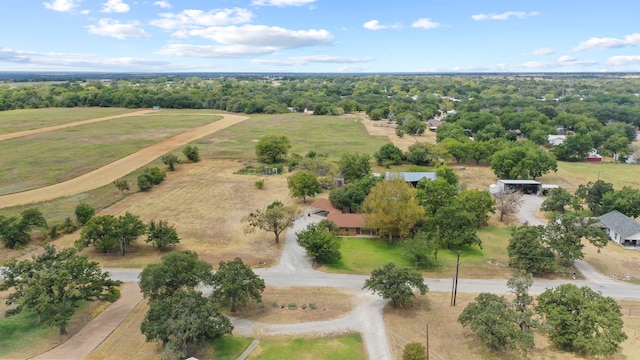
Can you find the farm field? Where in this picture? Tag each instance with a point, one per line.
(78, 150)
(29, 119)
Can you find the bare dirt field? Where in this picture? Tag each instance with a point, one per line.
(449, 340)
(379, 128)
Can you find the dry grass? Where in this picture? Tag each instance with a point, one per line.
(449, 340)
(205, 201)
(330, 304)
(614, 260)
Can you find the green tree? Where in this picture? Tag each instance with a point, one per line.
(275, 218)
(84, 213)
(519, 284)
(99, 231)
(527, 251)
(392, 208)
(192, 153)
(170, 160)
(448, 174)
(423, 154)
(51, 285)
(434, 194)
(581, 320)
(421, 248)
(144, 184)
(396, 284)
(627, 201)
(161, 234)
(121, 184)
(128, 228)
(556, 200)
(524, 159)
(592, 193)
(354, 166)
(388, 154)
(177, 271)
(350, 196)
(565, 234)
(272, 148)
(451, 225)
(414, 351)
(320, 242)
(495, 323)
(234, 284)
(184, 318)
(303, 184)
(479, 203)
(15, 231)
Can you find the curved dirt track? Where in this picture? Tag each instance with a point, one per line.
(18, 134)
(119, 168)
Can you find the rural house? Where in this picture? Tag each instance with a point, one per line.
(621, 228)
(349, 224)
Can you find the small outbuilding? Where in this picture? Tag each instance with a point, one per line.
(523, 186)
(411, 177)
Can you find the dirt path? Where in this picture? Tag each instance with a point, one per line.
(98, 329)
(108, 173)
(18, 134)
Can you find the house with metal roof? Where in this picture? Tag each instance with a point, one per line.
(621, 228)
(411, 177)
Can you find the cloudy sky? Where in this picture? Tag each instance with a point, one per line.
(320, 36)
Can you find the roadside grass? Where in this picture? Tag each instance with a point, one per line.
(362, 255)
(331, 135)
(75, 151)
(28, 119)
(22, 337)
(339, 347)
(229, 347)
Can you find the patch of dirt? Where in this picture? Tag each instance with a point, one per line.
(274, 309)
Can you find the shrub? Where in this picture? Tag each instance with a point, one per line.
(260, 184)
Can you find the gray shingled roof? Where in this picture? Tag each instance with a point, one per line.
(620, 223)
(411, 176)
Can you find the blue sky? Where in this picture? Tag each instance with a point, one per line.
(320, 36)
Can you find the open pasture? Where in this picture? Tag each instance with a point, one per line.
(52, 157)
(324, 134)
(28, 119)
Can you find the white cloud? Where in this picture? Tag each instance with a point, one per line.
(189, 19)
(566, 58)
(313, 59)
(163, 4)
(117, 29)
(281, 3)
(211, 51)
(425, 23)
(542, 52)
(62, 5)
(505, 15)
(609, 43)
(115, 6)
(623, 60)
(261, 36)
(375, 25)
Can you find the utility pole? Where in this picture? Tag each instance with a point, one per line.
(454, 290)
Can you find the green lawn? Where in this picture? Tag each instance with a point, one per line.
(362, 255)
(20, 331)
(28, 119)
(340, 347)
(78, 150)
(229, 347)
(327, 134)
